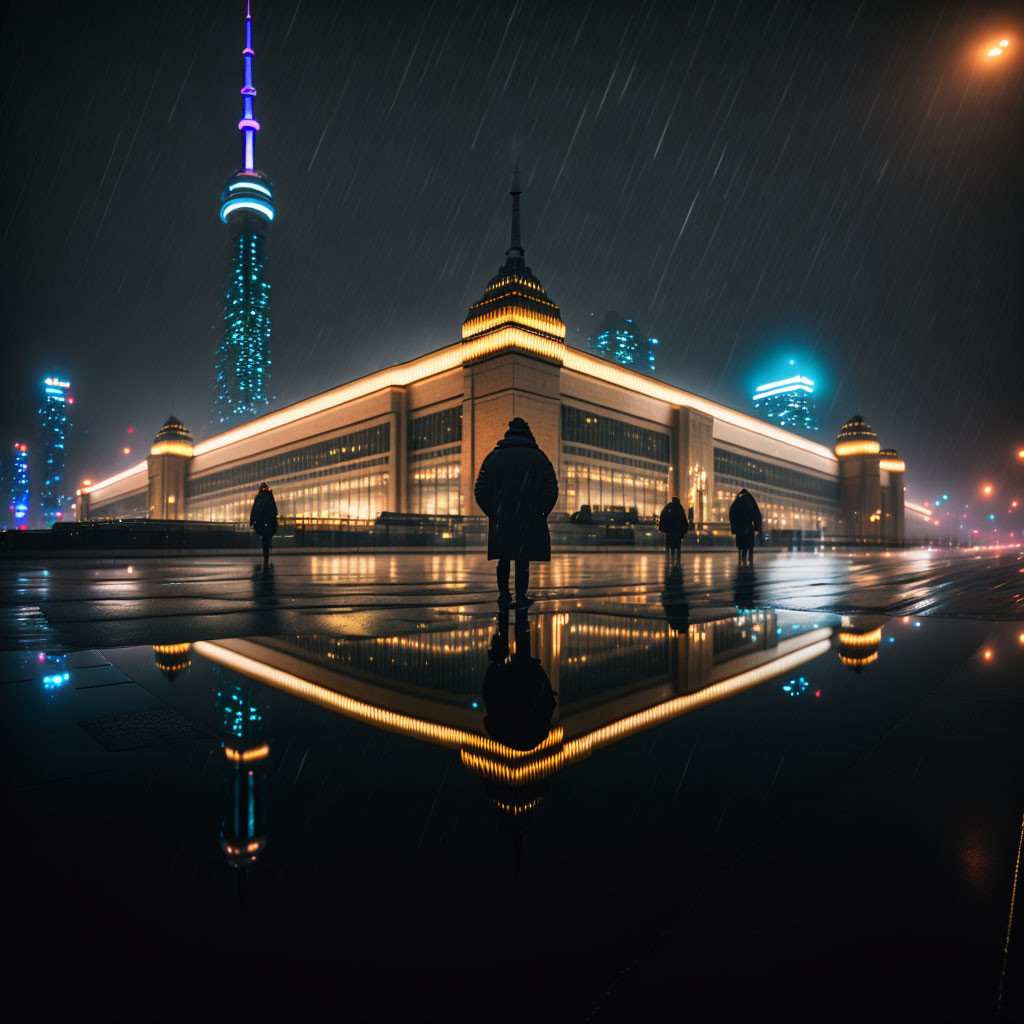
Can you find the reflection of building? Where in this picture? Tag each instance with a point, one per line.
(615, 676)
(411, 437)
(172, 659)
(18, 504)
(54, 417)
(860, 637)
(246, 745)
(619, 339)
(247, 207)
(871, 484)
(789, 403)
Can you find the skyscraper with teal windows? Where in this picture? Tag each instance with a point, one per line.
(788, 402)
(247, 207)
(18, 497)
(53, 434)
(619, 339)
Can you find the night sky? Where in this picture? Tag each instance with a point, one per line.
(840, 184)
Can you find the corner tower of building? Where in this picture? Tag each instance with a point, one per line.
(168, 463)
(860, 493)
(247, 207)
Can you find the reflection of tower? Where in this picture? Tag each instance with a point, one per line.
(56, 675)
(19, 496)
(243, 833)
(168, 461)
(247, 207)
(54, 433)
(860, 495)
(860, 637)
(172, 659)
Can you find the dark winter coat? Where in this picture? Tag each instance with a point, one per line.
(263, 517)
(517, 489)
(745, 517)
(673, 520)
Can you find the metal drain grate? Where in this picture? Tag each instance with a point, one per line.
(133, 730)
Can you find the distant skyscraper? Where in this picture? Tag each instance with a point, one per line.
(619, 339)
(19, 488)
(243, 359)
(789, 403)
(54, 416)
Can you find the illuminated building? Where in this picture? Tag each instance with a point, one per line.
(18, 505)
(410, 438)
(247, 207)
(54, 416)
(246, 746)
(871, 484)
(619, 339)
(789, 403)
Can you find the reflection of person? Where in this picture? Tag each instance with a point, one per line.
(672, 522)
(517, 693)
(263, 517)
(517, 489)
(745, 522)
(744, 592)
(673, 598)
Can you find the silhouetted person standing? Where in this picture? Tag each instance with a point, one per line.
(745, 522)
(672, 522)
(263, 517)
(516, 490)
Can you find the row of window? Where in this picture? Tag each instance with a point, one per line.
(321, 455)
(135, 506)
(752, 472)
(444, 427)
(435, 490)
(607, 487)
(613, 435)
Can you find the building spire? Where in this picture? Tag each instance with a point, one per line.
(515, 249)
(248, 126)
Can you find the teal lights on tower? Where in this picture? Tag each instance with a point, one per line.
(247, 207)
(619, 339)
(789, 403)
(54, 416)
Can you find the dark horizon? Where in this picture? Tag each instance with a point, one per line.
(837, 185)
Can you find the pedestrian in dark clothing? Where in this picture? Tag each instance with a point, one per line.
(517, 489)
(672, 522)
(263, 517)
(745, 522)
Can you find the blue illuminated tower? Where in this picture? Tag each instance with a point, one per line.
(247, 207)
(19, 490)
(788, 402)
(619, 339)
(54, 416)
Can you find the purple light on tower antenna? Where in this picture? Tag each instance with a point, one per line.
(249, 126)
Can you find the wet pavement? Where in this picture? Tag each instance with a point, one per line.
(73, 603)
(662, 794)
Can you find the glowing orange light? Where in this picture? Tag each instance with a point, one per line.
(987, 489)
(85, 483)
(1021, 638)
(1013, 504)
(987, 655)
(996, 51)
(1020, 454)
(126, 451)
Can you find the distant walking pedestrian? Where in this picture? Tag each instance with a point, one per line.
(263, 517)
(517, 489)
(745, 522)
(672, 522)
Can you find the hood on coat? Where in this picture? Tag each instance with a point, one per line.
(518, 435)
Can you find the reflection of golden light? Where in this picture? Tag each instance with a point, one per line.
(851, 662)
(861, 639)
(246, 755)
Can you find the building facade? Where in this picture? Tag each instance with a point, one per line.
(53, 414)
(789, 403)
(411, 438)
(247, 208)
(620, 340)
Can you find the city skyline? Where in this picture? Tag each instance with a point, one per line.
(869, 275)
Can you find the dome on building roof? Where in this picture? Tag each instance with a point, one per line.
(856, 437)
(514, 296)
(889, 453)
(173, 430)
